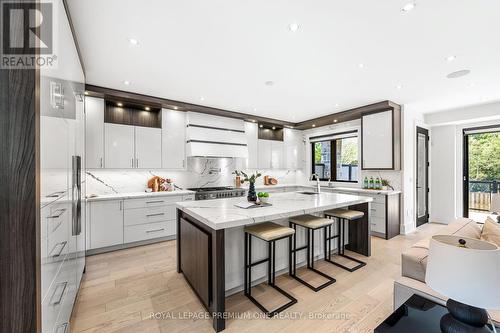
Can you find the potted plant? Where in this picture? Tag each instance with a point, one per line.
(237, 179)
(263, 197)
(386, 185)
(251, 196)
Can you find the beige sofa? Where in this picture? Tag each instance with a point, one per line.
(414, 263)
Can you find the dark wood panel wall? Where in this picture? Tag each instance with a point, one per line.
(127, 115)
(271, 134)
(19, 197)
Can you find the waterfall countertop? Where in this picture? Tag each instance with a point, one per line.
(222, 213)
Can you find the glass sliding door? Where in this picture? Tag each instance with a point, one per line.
(422, 181)
(481, 172)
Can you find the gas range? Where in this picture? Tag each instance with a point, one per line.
(206, 193)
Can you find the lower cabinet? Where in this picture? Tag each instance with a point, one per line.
(124, 221)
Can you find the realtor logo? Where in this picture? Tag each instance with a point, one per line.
(27, 34)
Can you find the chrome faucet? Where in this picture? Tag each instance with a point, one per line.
(318, 187)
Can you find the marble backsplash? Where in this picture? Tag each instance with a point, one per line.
(200, 172)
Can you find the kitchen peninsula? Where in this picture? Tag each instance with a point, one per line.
(210, 240)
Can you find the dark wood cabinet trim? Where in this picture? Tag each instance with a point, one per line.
(218, 143)
(270, 134)
(216, 128)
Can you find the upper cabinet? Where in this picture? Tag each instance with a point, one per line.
(119, 141)
(147, 147)
(94, 130)
(294, 149)
(173, 139)
(381, 140)
(251, 131)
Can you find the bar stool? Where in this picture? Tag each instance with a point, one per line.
(311, 223)
(342, 215)
(269, 232)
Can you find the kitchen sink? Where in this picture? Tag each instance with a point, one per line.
(309, 193)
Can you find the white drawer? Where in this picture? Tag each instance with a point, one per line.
(55, 220)
(377, 210)
(150, 202)
(149, 214)
(377, 224)
(379, 199)
(149, 231)
(55, 298)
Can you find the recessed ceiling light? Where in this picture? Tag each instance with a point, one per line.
(202, 98)
(293, 27)
(254, 109)
(458, 74)
(399, 86)
(313, 125)
(290, 126)
(126, 82)
(336, 105)
(269, 83)
(450, 58)
(86, 93)
(119, 104)
(147, 108)
(409, 6)
(133, 41)
(175, 107)
(472, 84)
(261, 126)
(361, 65)
(335, 120)
(253, 120)
(274, 127)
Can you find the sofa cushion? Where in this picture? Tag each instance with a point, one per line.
(414, 260)
(491, 232)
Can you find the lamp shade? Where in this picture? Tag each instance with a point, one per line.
(468, 274)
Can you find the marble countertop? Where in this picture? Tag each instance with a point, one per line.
(223, 214)
(138, 195)
(338, 188)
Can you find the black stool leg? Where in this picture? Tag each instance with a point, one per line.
(309, 247)
(271, 279)
(341, 249)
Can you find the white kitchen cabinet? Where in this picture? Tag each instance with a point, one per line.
(94, 132)
(106, 223)
(277, 155)
(252, 133)
(294, 149)
(264, 154)
(173, 139)
(147, 147)
(381, 140)
(119, 146)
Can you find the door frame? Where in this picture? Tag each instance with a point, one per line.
(424, 219)
(465, 162)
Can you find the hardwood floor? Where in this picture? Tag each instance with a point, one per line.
(139, 290)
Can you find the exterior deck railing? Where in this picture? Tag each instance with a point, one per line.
(480, 192)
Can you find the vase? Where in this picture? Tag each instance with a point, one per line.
(237, 182)
(251, 196)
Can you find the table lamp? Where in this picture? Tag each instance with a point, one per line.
(468, 272)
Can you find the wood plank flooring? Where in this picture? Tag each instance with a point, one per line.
(139, 290)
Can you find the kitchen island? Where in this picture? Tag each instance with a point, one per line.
(210, 240)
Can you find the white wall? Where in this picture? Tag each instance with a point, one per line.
(444, 174)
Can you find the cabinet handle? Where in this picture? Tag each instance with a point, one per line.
(64, 328)
(59, 298)
(137, 163)
(121, 205)
(56, 216)
(157, 214)
(55, 194)
(101, 161)
(188, 199)
(60, 250)
(154, 230)
(132, 162)
(157, 201)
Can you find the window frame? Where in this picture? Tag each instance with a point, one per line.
(333, 159)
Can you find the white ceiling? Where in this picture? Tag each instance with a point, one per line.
(225, 51)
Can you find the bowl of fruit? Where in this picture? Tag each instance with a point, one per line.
(263, 197)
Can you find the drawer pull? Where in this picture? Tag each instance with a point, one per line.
(157, 201)
(57, 215)
(157, 214)
(62, 328)
(55, 194)
(188, 199)
(63, 245)
(154, 230)
(61, 294)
